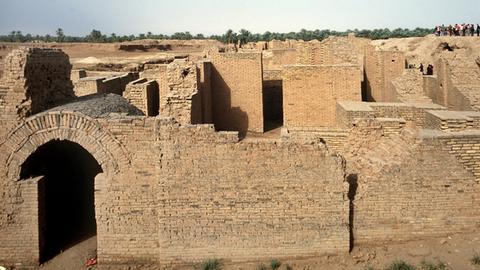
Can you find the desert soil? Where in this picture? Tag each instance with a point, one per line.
(455, 251)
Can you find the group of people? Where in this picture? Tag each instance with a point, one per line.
(463, 29)
(429, 69)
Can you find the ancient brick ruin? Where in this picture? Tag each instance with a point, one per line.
(281, 149)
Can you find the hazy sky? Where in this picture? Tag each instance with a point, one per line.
(79, 17)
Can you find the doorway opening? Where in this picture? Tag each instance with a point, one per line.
(66, 199)
(272, 104)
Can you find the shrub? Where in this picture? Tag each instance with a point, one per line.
(476, 259)
(288, 267)
(400, 265)
(433, 266)
(211, 264)
(262, 267)
(275, 264)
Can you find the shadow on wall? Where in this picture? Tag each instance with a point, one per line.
(367, 89)
(226, 117)
(352, 180)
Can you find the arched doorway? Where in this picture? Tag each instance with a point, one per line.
(66, 201)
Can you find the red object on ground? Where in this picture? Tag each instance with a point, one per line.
(91, 262)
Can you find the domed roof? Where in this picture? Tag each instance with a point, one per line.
(100, 105)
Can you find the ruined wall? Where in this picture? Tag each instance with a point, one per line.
(310, 93)
(77, 74)
(431, 88)
(456, 86)
(23, 221)
(238, 200)
(237, 91)
(181, 98)
(408, 87)
(89, 85)
(117, 84)
(205, 88)
(34, 80)
(331, 51)
(420, 191)
(413, 113)
(276, 59)
(143, 94)
(381, 68)
(103, 85)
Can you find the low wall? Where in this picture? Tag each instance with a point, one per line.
(246, 205)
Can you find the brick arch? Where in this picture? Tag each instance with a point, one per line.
(37, 130)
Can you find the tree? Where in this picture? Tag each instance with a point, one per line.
(95, 36)
(244, 36)
(60, 35)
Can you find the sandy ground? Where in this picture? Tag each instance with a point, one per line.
(455, 251)
(88, 55)
(427, 49)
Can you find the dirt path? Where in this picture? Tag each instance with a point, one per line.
(73, 258)
(455, 251)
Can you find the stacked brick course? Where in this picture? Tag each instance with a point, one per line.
(237, 91)
(310, 93)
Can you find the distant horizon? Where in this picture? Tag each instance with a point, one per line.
(214, 17)
(52, 33)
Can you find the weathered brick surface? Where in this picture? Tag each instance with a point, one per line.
(419, 191)
(310, 93)
(36, 79)
(103, 85)
(143, 94)
(237, 91)
(175, 192)
(381, 68)
(241, 202)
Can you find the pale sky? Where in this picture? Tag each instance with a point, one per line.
(79, 17)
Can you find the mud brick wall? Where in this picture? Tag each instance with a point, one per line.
(276, 59)
(334, 138)
(348, 112)
(205, 89)
(421, 191)
(465, 146)
(19, 224)
(310, 93)
(125, 203)
(410, 112)
(457, 85)
(440, 200)
(391, 125)
(181, 98)
(450, 120)
(237, 91)
(37, 79)
(117, 84)
(331, 51)
(381, 68)
(143, 94)
(237, 200)
(34, 80)
(89, 85)
(77, 74)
